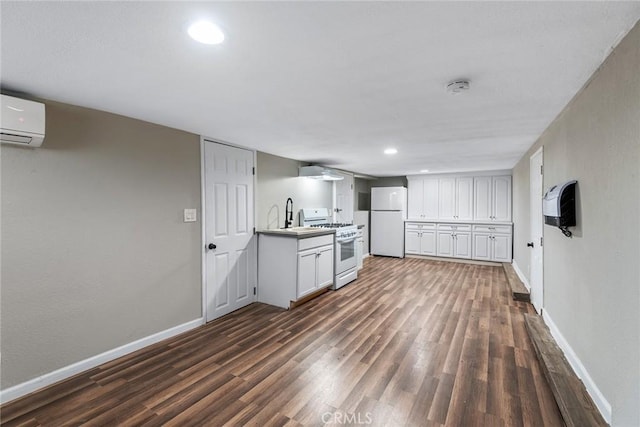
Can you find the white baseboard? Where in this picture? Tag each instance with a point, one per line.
(365, 255)
(598, 398)
(521, 275)
(45, 380)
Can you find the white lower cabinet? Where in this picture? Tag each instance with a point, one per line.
(462, 245)
(481, 246)
(315, 270)
(307, 283)
(290, 268)
(324, 267)
(420, 239)
(492, 243)
(454, 240)
(445, 243)
(502, 248)
(486, 242)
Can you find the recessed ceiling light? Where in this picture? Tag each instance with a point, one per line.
(206, 32)
(390, 151)
(424, 170)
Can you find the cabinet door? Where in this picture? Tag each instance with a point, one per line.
(462, 245)
(482, 187)
(482, 246)
(415, 199)
(445, 243)
(428, 243)
(501, 198)
(464, 198)
(412, 242)
(502, 247)
(324, 266)
(430, 191)
(306, 272)
(447, 198)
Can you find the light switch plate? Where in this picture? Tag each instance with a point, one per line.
(190, 215)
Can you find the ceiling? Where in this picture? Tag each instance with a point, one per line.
(333, 83)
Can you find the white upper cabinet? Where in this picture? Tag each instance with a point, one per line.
(482, 195)
(482, 198)
(492, 198)
(456, 198)
(430, 196)
(423, 199)
(502, 198)
(464, 199)
(414, 199)
(447, 200)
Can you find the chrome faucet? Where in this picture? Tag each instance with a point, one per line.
(288, 213)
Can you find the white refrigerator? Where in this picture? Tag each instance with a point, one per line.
(388, 213)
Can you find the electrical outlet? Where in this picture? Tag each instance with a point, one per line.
(190, 215)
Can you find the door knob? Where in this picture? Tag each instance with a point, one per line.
(211, 246)
(530, 244)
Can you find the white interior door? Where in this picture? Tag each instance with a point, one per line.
(535, 193)
(343, 199)
(230, 245)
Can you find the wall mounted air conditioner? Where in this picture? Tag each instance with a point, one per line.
(21, 122)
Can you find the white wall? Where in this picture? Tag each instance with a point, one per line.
(592, 280)
(94, 251)
(277, 179)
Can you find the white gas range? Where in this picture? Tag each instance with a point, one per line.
(345, 266)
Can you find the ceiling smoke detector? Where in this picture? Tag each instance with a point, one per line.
(458, 86)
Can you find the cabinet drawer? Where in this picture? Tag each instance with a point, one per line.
(454, 227)
(420, 226)
(314, 242)
(503, 229)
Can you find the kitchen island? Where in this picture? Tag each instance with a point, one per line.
(294, 264)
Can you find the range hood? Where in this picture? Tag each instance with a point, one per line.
(320, 172)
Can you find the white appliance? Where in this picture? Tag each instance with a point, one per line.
(388, 213)
(360, 248)
(21, 122)
(345, 265)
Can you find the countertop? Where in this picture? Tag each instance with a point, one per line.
(298, 232)
(447, 221)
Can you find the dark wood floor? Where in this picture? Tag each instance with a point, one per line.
(411, 342)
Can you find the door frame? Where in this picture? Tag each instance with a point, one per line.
(540, 152)
(203, 216)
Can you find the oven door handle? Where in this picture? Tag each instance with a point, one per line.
(347, 241)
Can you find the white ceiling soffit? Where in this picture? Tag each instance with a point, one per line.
(331, 83)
